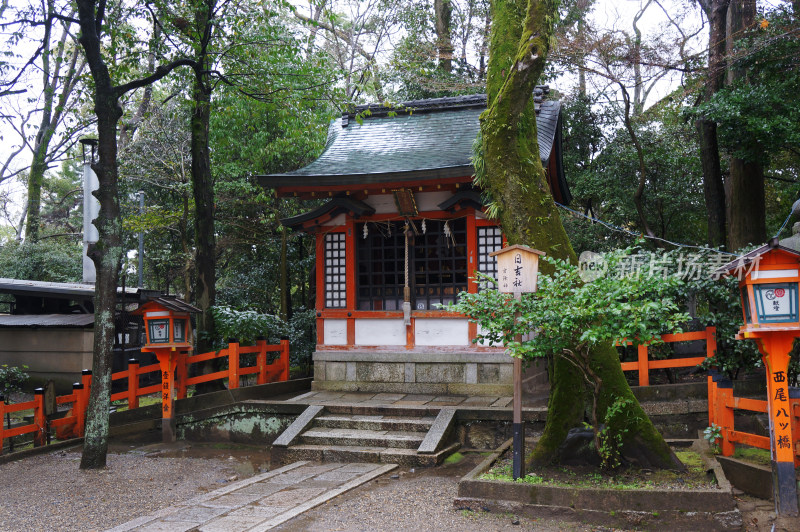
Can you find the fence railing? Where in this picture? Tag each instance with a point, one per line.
(72, 424)
(722, 404)
(644, 364)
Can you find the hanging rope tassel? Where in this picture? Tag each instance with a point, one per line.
(406, 289)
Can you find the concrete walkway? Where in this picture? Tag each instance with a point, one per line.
(398, 399)
(260, 502)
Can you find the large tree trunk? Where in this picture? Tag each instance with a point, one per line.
(205, 243)
(286, 295)
(747, 223)
(203, 189)
(107, 252)
(443, 13)
(746, 206)
(713, 186)
(516, 183)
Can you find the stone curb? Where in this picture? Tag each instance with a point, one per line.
(438, 433)
(714, 508)
(299, 425)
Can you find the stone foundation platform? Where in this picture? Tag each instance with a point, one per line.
(415, 372)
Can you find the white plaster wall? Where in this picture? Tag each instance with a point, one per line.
(334, 332)
(380, 332)
(443, 331)
(426, 201)
(429, 201)
(337, 221)
(382, 203)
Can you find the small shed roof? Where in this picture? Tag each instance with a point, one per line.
(49, 289)
(71, 321)
(171, 303)
(415, 140)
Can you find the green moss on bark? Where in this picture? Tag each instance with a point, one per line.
(515, 180)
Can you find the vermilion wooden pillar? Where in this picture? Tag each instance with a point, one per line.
(775, 347)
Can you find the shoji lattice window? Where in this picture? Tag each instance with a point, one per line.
(490, 239)
(437, 264)
(440, 264)
(335, 283)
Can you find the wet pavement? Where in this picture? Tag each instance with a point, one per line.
(261, 502)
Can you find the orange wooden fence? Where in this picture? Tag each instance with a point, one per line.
(644, 364)
(721, 406)
(72, 425)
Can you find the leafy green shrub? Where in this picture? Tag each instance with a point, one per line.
(12, 379)
(247, 325)
(712, 435)
(571, 317)
(49, 260)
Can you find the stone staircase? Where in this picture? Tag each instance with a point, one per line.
(380, 434)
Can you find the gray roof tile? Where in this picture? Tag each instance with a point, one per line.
(425, 139)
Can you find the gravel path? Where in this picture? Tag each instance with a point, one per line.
(420, 500)
(49, 492)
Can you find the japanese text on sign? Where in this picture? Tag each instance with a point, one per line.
(517, 268)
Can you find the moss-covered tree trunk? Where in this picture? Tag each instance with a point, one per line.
(515, 180)
(107, 253)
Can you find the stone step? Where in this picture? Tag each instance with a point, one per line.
(363, 438)
(374, 423)
(406, 411)
(374, 454)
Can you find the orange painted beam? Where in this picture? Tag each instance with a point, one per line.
(676, 362)
(762, 442)
(744, 403)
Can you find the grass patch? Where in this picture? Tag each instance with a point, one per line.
(621, 479)
(454, 458)
(145, 400)
(753, 454)
(691, 460)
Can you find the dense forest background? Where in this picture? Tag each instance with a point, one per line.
(682, 126)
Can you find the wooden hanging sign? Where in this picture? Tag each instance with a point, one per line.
(517, 269)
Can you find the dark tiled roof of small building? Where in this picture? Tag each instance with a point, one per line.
(78, 321)
(419, 139)
(174, 304)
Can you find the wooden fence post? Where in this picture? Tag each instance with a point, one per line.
(794, 409)
(712, 397)
(2, 420)
(39, 418)
(133, 383)
(78, 408)
(644, 366)
(725, 414)
(284, 376)
(711, 349)
(233, 363)
(86, 380)
(261, 360)
(182, 372)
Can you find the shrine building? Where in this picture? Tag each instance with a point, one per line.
(401, 232)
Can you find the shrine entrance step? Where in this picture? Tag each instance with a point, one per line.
(407, 436)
